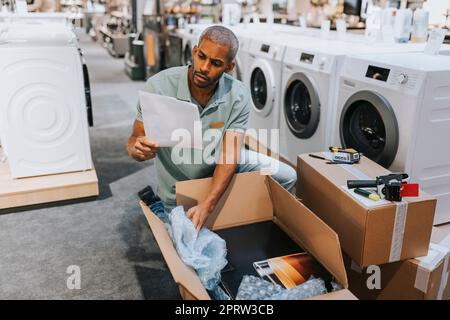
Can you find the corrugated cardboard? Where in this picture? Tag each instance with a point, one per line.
(252, 197)
(366, 234)
(407, 280)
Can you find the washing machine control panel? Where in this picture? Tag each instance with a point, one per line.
(309, 60)
(403, 79)
(400, 78)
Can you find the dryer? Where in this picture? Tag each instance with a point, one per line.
(395, 109)
(43, 117)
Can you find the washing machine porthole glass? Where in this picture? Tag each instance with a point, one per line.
(258, 86)
(366, 129)
(301, 107)
(298, 107)
(368, 125)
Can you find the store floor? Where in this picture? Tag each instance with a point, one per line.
(108, 238)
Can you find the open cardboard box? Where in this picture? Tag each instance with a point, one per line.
(370, 234)
(423, 278)
(251, 198)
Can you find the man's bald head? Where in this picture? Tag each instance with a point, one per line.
(222, 36)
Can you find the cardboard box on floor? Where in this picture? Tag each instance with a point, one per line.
(424, 278)
(370, 235)
(251, 198)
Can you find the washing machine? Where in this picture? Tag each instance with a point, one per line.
(191, 35)
(264, 80)
(311, 69)
(43, 116)
(245, 33)
(395, 109)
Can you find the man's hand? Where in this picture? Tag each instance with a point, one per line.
(144, 149)
(198, 214)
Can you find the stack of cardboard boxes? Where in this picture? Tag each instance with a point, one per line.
(387, 249)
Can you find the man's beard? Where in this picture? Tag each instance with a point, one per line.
(207, 81)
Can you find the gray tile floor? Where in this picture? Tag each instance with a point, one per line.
(107, 237)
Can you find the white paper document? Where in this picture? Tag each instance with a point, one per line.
(171, 122)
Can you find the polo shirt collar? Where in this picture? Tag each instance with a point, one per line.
(183, 92)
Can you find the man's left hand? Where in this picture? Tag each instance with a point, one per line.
(198, 214)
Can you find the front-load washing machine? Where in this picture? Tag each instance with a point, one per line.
(395, 109)
(245, 33)
(43, 118)
(191, 34)
(309, 71)
(308, 102)
(264, 80)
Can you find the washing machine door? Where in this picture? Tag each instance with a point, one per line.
(301, 106)
(262, 87)
(368, 124)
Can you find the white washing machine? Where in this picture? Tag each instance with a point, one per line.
(264, 80)
(43, 118)
(395, 109)
(191, 35)
(245, 33)
(308, 101)
(309, 72)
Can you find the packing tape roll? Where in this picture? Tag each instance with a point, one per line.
(401, 212)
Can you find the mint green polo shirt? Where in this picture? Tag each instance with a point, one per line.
(229, 105)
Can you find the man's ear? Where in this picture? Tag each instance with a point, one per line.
(230, 66)
(194, 49)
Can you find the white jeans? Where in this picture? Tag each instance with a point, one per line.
(281, 172)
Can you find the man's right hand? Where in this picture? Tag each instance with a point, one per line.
(144, 149)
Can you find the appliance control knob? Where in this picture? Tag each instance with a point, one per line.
(402, 78)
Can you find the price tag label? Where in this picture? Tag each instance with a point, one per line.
(435, 41)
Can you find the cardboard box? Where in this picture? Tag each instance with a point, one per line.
(251, 198)
(371, 233)
(424, 278)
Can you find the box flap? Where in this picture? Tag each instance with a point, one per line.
(182, 274)
(245, 188)
(308, 230)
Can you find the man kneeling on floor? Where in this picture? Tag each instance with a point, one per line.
(224, 104)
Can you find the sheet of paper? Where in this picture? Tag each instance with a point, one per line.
(170, 122)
